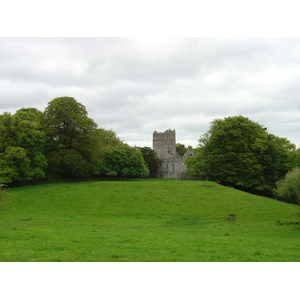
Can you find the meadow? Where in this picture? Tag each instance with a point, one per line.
(145, 221)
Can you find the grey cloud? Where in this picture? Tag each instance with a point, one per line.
(134, 86)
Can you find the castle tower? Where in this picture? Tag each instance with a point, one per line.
(171, 164)
(164, 144)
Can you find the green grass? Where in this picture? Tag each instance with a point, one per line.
(145, 220)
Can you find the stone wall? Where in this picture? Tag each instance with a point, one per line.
(172, 164)
(164, 144)
(172, 168)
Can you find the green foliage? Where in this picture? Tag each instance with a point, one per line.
(68, 163)
(151, 160)
(231, 152)
(71, 138)
(240, 152)
(181, 149)
(194, 165)
(14, 165)
(288, 189)
(63, 141)
(295, 157)
(30, 114)
(279, 158)
(123, 161)
(22, 143)
(108, 138)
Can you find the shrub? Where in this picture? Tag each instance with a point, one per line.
(123, 161)
(288, 189)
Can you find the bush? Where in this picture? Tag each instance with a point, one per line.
(123, 161)
(288, 189)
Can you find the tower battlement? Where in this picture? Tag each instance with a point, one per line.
(169, 134)
(164, 144)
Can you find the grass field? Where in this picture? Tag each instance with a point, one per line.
(145, 220)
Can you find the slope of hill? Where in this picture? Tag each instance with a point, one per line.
(146, 220)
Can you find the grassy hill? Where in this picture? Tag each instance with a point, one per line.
(145, 220)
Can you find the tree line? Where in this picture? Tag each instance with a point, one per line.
(63, 142)
(238, 152)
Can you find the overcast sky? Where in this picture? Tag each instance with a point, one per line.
(135, 86)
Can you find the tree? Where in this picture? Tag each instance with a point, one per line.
(108, 138)
(181, 149)
(239, 152)
(22, 143)
(194, 165)
(296, 157)
(104, 139)
(123, 161)
(71, 138)
(288, 188)
(32, 138)
(280, 157)
(15, 166)
(151, 160)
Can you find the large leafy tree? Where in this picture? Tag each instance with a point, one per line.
(22, 143)
(123, 161)
(71, 138)
(240, 152)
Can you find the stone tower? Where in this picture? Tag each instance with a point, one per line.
(164, 144)
(172, 165)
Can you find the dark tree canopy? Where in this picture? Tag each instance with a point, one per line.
(240, 152)
(151, 160)
(181, 149)
(66, 123)
(71, 135)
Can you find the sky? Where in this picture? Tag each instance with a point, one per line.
(136, 86)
